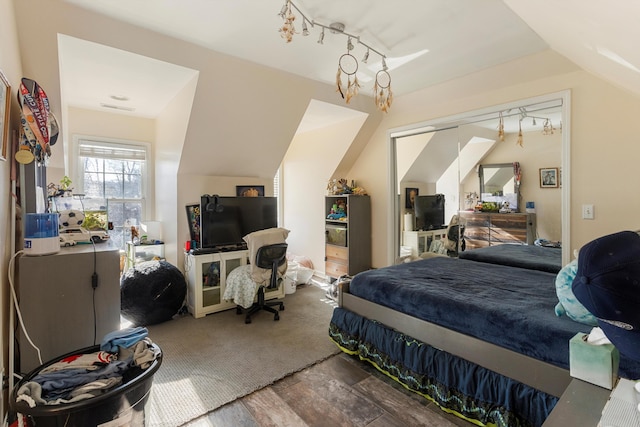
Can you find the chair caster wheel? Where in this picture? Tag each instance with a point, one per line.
(247, 320)
(276, 317)
(238, 310)
(281, 307)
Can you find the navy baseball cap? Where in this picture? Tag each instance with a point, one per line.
(607, 284)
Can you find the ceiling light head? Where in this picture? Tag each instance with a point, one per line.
(384, 64)
(321, 38)
(284, 9)
(305, 30)
(349, 45)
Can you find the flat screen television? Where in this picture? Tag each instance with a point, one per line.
(224, 221)
(429, 211)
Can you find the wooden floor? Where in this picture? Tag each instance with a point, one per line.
(340, 391)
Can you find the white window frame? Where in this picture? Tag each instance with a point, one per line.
(147, 167)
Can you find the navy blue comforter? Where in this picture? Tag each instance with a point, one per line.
(507, 306)
(523, 256)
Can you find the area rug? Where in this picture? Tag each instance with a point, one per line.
(216, 359)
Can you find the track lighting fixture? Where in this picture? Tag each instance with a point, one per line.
(522, 113)
(382, 85)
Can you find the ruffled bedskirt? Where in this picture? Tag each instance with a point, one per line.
(458, 386)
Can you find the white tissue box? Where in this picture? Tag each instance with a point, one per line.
(595, 364)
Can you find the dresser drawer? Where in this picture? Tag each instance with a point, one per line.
(337, 253)
(335, 269)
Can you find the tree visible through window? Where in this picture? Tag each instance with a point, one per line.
(115, 172)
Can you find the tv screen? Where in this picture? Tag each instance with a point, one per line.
(231, 218)
(429, 211)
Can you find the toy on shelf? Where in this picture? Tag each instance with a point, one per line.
(337, 187)
(74, 228)
(338, 211)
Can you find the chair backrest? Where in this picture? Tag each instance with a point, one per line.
(455, 233)
(271, 257)
(255, 241)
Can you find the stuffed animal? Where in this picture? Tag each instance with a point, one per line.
(568, 304)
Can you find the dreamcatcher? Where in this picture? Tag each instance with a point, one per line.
(348, 65)
(520, 140)
(500, 127)
(382, 89)
(287, 30)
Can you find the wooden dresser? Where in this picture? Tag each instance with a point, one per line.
(488, 228)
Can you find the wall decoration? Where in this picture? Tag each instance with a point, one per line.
(549, 178)
(410, 195)
(5, 107)
(250, 190)
(193, 217)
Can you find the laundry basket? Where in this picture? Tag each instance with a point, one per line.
(125, 405)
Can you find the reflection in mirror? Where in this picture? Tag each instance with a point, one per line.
(499, 187)
(444, 157)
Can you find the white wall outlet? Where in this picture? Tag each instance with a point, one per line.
(587, 211)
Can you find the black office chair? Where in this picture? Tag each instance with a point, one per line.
(268, 257)
(455, 241)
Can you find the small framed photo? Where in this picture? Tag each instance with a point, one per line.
(250, 190)
(549, 178)
(410, 195)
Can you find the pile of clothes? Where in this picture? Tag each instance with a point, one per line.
(86, 375)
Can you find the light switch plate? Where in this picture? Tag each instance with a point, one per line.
(587, 211)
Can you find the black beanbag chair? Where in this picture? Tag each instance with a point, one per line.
(151, 292)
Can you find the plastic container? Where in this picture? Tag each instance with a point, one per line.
(125, 405)
(41, 234)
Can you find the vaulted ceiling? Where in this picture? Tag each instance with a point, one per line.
(425, 42)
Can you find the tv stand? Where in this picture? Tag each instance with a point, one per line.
(207, 277)
(420, 241)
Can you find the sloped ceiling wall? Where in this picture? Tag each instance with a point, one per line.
(243, 117)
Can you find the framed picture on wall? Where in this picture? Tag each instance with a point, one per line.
(5, 106)
(410, 197)
(549, 178)
(250, 190)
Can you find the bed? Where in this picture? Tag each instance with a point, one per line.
(481, 340)
(524, 256)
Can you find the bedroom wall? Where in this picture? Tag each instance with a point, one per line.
(603, 152)
(11, 68)
(306, 169)
(171, 127)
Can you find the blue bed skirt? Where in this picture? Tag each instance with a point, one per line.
(456, 385)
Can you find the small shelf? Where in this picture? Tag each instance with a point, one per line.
(348, 239)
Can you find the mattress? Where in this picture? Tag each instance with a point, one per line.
(507, 306)
(523, 256)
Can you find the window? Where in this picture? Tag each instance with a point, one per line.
(115, 172)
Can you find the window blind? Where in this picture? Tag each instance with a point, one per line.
(96, 149)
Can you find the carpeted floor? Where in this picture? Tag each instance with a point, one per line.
(214, 360)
